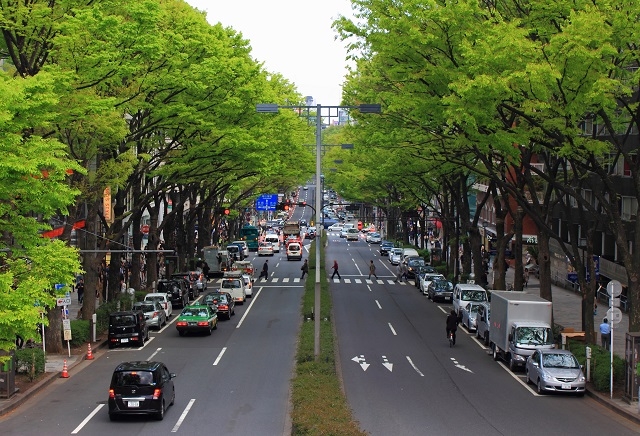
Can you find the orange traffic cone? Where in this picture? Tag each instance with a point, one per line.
(65, 370)
(89, 353)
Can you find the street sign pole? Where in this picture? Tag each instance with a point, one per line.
(614, 289)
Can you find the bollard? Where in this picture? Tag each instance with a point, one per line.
(588, 354)
(564, 342)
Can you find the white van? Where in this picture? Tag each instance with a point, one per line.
(464, 293)
(275, 241)
(233, 283)
(409, 252)
(294, 251)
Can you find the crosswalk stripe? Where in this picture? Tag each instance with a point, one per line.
(274, 279)
(285, 280)
(357, 280)
(347, 280)
(380, 282)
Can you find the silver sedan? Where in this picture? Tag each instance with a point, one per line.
(154, 313)
(554, 370)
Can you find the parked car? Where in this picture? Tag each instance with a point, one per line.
(222, 301)
(385, 246)
(139, 388)
(164, 301)
(424, 279)
(464, 293)
(553, 370)
(191, 278)
(414, 264)
(127, 327)
(483, 324)
(395, 256)
(469, 314)
(176, 289)
(197, 318)
(265, 249)
(440, 289)
(154, 313)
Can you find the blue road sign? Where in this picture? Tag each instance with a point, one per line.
(267, 202)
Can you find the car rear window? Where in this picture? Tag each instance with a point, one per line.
(230, 284)
(122, 319)
(133, 378)
(145, 307)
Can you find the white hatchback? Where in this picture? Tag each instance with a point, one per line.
(163, 299)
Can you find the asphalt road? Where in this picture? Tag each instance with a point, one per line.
(401, 377)
(234, 382)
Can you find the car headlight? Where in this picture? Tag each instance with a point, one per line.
(581, 378)
(546, 376)
(520, 358)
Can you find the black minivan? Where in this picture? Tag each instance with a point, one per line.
(141, 388)
(127, 327)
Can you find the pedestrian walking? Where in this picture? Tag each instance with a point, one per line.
(80, 289)
(405, 271)
(305, 268)
(372, 270)
(398, 273)
(525, 277)
(605, 334)
(265, 270)
(335, 270)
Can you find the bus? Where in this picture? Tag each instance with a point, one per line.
(250, 234)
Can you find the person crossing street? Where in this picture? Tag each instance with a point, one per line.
(372, 270)
(335, 270)
(265, 270)
(305, 268)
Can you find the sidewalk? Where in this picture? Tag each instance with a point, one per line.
(567, 312)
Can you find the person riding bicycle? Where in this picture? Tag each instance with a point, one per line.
(452, 324)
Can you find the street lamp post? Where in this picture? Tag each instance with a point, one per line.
(273, 108)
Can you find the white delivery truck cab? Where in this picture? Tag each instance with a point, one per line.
(520, 323)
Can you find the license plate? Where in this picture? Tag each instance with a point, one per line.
(566, 386)
(124, 340)
(447, 298)
(133, 403)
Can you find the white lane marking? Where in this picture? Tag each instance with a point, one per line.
(274, 280)
(84, 422)
(391, 282)
(154, 353)
(347, 280)
(357, 280)
(386, 364)
(414, 366)
(183, 416)
(285, 280)
(378, 303)
(443, 309)
(392, 330)
(253, 300)
(380, 282)
(219, 356)
(518, 379)
(369, 282)
(357, 267)
(169, 322)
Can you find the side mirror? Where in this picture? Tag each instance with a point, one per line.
(535, 364)
(173, 375)
(510, 337)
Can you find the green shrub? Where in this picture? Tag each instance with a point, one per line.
(80, 332)
(102, 315)
(600, 365)
(30, 361)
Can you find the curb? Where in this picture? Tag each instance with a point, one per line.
(606, 402)
(19, 399)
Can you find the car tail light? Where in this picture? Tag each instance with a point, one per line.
(165, 305)
(112, 394)
(156, 314)
(203, 323)
(181, 323)
(157, 393)
(223, 307)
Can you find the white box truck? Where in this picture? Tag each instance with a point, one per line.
(520, 323)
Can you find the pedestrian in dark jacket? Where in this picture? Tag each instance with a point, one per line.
(305, 268)
(265, 270)
(452, 324)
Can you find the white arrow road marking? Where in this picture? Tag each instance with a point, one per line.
(414, 366)
(360, 360)
(386, 364)
(455, 362)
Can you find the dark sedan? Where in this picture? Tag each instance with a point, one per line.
(385, 246)
(223, 302)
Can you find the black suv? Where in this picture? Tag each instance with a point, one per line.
(141, 388)
(127, 327)
(176, 289)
